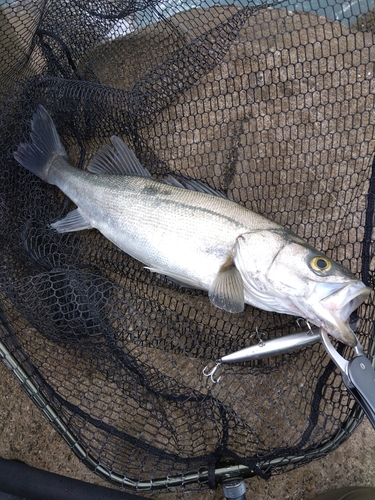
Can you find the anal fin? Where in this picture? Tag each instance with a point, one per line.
(74, 221)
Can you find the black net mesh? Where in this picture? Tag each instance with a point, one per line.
(275, 107)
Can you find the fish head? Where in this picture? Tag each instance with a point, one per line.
(282, 273)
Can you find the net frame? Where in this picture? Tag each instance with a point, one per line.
(211, 477)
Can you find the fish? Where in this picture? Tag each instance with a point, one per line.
(194, 235)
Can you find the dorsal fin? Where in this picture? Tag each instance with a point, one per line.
(119, 161)
(193, 184)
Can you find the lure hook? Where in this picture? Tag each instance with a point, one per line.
(212, 372)
(307, 323)
(259, 335)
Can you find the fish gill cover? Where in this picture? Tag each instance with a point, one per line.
(273, 107)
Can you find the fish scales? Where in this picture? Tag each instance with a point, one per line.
(165, 227)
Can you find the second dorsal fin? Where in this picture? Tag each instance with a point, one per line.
(119, 161)
(182, 181)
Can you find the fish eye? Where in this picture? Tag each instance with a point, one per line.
(320, 264)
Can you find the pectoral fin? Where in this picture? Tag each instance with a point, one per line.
(74, 221)
(227, 290)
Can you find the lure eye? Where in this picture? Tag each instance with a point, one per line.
(320, 264)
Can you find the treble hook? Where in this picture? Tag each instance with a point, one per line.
(212, 372)
(259, 337)
(307, 323)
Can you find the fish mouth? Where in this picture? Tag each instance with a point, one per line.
(337, 306)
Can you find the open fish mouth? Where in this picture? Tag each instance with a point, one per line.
(338, 306)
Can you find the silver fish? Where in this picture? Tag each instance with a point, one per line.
(194, 235)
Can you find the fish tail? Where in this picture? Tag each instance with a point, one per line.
(44, 146)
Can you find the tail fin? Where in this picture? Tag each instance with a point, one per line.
(38, 155)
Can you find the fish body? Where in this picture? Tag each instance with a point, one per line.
(181, 233)
(185, 230)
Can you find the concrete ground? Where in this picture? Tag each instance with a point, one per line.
(25, 435)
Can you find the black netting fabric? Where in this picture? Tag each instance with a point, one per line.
(268, 103)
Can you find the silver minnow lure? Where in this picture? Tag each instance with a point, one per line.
(194, 235)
